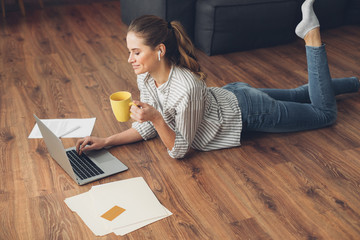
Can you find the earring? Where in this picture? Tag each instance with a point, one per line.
(159, 52)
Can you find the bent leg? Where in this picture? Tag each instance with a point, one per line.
(260, 112)
(264, 113)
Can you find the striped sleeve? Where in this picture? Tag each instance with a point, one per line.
(145, 129)
(187, 120)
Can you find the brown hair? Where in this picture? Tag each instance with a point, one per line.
(179, 48)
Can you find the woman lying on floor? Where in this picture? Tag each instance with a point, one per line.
(176, 104)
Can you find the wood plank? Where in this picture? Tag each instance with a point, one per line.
(65, 61)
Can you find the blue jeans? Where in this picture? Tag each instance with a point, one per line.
(310, 106)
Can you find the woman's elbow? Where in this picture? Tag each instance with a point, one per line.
(177, 154)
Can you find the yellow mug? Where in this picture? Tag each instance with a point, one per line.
(120, 104)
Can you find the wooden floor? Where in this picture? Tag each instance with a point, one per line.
(64, 62)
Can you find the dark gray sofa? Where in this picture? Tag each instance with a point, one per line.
(180, 10)
(223, 26)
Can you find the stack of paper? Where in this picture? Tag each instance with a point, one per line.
(120, 207)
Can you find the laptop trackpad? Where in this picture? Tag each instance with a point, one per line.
(100, 156)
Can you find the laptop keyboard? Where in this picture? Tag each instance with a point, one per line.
(83, 167)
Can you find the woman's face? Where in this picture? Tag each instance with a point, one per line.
(142, 58)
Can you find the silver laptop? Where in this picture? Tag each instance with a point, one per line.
(83, 169)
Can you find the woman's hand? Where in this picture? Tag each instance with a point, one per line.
(144, 112)
(89, 143)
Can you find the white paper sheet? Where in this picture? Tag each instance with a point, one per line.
(83, 206)
(83, 127)
(134, 195)
(125, 230)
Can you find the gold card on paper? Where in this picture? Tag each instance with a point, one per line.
(113, 213)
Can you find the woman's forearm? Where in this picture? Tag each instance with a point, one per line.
(166, 134)
(142, 112)
(125, 137)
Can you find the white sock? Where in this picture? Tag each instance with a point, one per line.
(309, 20)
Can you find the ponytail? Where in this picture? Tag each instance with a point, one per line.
(180, 51)
(186, 49)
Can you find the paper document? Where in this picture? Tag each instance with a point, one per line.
(135, 205)
(66, 128)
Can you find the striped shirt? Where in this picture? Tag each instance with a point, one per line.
(203, 118)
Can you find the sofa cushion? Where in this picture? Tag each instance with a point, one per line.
(223, 26)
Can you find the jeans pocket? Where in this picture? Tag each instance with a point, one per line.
(262, 110)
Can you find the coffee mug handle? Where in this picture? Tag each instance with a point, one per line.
(131, 104)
